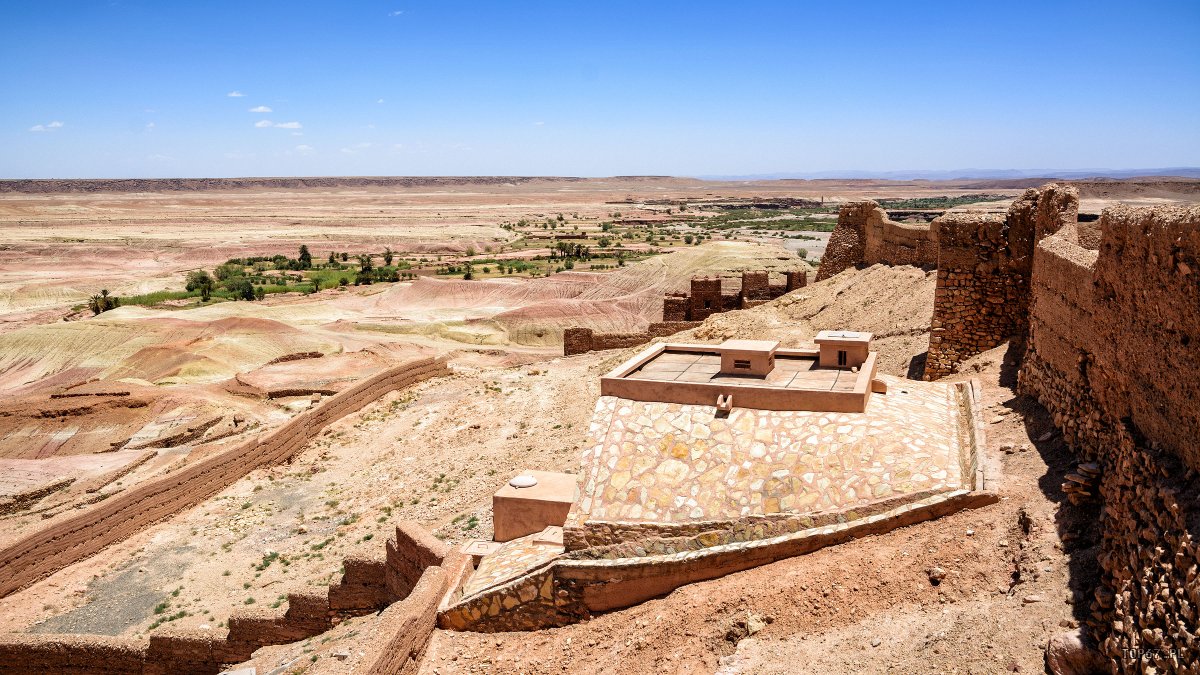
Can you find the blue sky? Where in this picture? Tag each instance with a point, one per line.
(129, 88)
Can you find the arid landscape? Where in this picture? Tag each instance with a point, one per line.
(442, 354)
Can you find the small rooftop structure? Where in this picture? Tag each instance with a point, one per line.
(843, 348)
(755, 358)
(531, 502)
(751, 374)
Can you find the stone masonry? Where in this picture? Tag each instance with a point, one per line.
(984, 265)
(1114, 315)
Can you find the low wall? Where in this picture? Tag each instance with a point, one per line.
(583, 340)
(1112, 355)
(409, 621)
(567, 590)
(865, 235)
(73, 537)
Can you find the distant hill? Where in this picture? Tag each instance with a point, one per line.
(51, 185)
(968, 174)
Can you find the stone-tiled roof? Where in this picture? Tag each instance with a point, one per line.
(673, 463)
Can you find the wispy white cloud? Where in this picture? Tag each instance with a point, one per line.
(263, 124)
(355, 148)
(539, 124)
(160, 158)
(289, 125)
(47, 127)
(149, 126)
(297, 133)
(304, 149)
(398, 12)
(379, 101)
(261, 109)
(235, 94)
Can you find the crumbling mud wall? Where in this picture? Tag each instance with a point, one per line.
(1112, 354)
(682, 311)
(583, 340)
(73, 537)
(865, 235)
(984, 265)
(409, 621)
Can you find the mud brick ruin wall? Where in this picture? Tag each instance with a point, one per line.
(408, 621)
(865, 235)
(682, 311)
(73, 537)
(1113, 355)
(984, 264)
(583, 340)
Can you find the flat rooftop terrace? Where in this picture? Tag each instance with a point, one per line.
(799, 371)
(836, 377)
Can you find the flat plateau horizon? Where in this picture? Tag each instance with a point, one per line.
(848, 174)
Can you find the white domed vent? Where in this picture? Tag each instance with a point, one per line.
(523, 481)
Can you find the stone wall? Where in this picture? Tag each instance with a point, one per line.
(569, 589)
(68, 539)
(410, 619)
(865, 235)
(984, 264)
(1111, 355)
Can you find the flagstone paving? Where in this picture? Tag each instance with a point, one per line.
(511, 560)
(672, 463)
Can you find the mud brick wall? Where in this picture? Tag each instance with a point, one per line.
(795, 279)
(705, 298)
(76, 654)
(363, 584)
(865, 235)
(73, 537)
(1148, 310)
(683, 311)
(1062, 344)
(1112, 355)
(675, 307)
(756, 285)
(985, 262)
(577, 341)
(847, 245)
(416, 574)
(583, 340)
(409, 553)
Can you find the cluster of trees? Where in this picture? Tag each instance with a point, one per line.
(569, 251)
(280, 262)
(103, 302)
